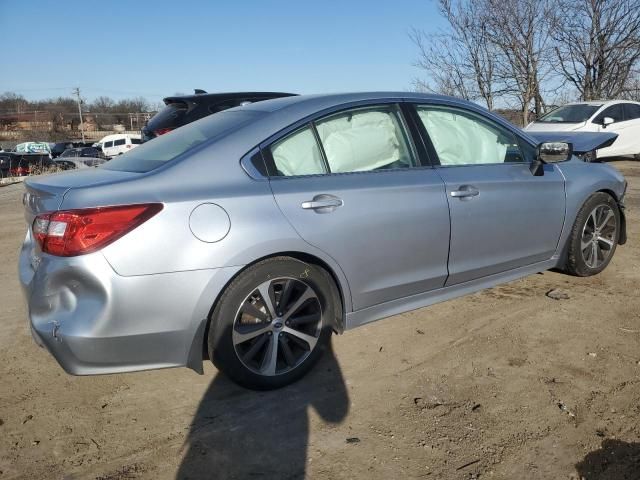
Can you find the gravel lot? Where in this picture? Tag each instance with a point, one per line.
(504, 384)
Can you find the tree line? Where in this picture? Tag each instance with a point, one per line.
(13, 103)
(531, 54)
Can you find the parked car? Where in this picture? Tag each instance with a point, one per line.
(71, 163)
(83, 152)
(58, 148)
(619, 117)
(255, 233)
(119, 143)
(184, 109)
(17, 164)
(33, 147)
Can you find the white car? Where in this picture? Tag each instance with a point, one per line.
(119, 143)
(615, 116)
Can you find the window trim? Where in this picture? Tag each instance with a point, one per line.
(394, 106)
(433, 154)
(607, 107)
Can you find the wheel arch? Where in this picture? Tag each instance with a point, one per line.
(198, 350)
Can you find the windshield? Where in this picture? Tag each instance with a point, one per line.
(575, 113)
(162, 149)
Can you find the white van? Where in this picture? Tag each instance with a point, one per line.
(119, 143)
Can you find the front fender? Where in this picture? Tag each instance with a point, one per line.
(581, 181)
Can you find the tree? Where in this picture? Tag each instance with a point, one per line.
(597, 45)
(520, 29)
(461, 60)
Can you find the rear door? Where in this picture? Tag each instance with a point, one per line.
(502, 217)
(351, 185)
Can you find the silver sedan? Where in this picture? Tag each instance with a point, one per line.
(250, 236)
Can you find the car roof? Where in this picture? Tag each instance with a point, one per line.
(316, 101)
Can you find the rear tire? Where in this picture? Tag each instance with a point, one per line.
(273, 322)
(594, 236)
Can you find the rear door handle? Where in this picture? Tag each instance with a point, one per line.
(323, 203)
(465, 191)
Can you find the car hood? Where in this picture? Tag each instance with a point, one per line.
(554, 127)
(583, 142)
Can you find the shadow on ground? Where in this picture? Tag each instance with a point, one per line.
(615, 460)
(239, 434)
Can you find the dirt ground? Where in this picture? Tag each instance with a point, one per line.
(504, 384)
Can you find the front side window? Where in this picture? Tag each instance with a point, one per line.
(108, 144)
(122, 141)
(365, 140)
(615, 112)
(632, 111)
(464, 138)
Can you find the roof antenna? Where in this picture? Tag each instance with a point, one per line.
(197, 91)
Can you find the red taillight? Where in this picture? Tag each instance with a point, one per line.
(162, 131)
(77, 232)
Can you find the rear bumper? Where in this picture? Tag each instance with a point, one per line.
(94, 321)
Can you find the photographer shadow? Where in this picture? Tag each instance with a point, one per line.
(614, 460)
(238, 433)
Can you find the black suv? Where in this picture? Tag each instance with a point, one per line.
(185, 109)
(82, 152)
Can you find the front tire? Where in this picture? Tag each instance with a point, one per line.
(594, 236)
(273, 322)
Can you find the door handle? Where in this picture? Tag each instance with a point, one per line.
(465, 191)
(323, 203)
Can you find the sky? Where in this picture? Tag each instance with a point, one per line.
(156, 48)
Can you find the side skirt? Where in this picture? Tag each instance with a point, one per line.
(413, 302)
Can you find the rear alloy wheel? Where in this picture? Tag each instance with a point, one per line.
(273, 322)
(594, 236)
(277, 326)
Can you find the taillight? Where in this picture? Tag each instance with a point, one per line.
(162, 131)
(77, 232)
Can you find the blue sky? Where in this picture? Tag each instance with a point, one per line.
(156, 48)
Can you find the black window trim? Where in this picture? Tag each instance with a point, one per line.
(490, 119)
(309, 122)
(607, 107)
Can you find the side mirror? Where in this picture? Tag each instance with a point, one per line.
(607, 121)
(550, 152)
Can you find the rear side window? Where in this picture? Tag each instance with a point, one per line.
(364, 140)
(136, 141)
(122, 141)
(353, 141)
(170, 146)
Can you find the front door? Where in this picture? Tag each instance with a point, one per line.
(350, 184)
(502, 216)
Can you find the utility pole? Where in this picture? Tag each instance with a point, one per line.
(76, 92)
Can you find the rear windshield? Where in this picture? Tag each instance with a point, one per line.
(165, 148)
(570, 114)
(169, 117)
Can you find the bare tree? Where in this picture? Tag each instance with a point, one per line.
(461, 60)
(598, 45)
(520, 29)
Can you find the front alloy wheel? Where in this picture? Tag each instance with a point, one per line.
(598, 236)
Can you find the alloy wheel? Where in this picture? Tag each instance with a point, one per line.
(598, 236)
(277, 326)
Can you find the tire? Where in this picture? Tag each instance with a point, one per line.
(591, 249)
(243, 333)
(636, 156)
